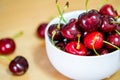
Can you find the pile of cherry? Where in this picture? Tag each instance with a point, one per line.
(94, 32)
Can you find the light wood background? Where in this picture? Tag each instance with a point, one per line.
(25, 16)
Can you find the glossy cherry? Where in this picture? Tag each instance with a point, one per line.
(89, 40)
(19, 65)
(41, 30)
(60, 45)
(55, 31)
(7, 46)
(103, 51)
(107, 25)
(113, 39)
(108, 9)
(71, 29)
(71, 48)
(90, 21)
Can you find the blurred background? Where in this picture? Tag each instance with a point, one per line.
(32, 12)
(26, 16)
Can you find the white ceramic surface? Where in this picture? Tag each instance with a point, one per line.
(81, 67)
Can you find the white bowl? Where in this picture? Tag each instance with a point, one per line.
(81, 67)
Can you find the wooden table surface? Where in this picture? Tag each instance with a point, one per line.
(25, 16)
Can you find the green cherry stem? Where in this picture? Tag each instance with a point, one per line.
(58, 26)
(5, 57)
(17, 35)
(86, 5)
(78, 43)
(94, 40)
(111, 45)
(117, 32)
(61, 13)
(115, 22)
(54, 32)
(60, 18)
(65, 7)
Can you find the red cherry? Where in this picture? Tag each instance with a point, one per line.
(71, 29)
(113, 39)
(103, 51)
(89, 40)
(7, 46)
(55, 31)
(71, 48)
(107, 26)
(89, 21)
(41, 30)
(108, 9)
(19, 65)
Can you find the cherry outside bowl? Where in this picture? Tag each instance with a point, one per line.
(81, 67)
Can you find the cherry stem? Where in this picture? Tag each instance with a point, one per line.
(5, 57)
(61, 13)
(117, 32)
(53, 35)
(111, 45)
(115, 22)
(17, 35)
(94, 40)
(58, 26)
(78, 44)
(61, 18)
(86, 5)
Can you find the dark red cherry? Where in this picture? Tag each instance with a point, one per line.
(90, 52)
(60, 45)
(90, 21)
(7, 46)
(55, 31)
(103, 51)
(108, 9)
(113, 39)
(71, 29)
(19, 65)
(41, 30)
(107, 25)
(89, 40)
(71, 48)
